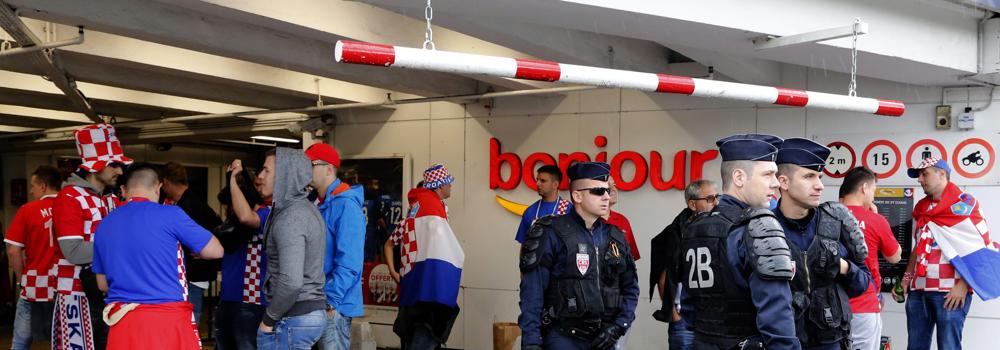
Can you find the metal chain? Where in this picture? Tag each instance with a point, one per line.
(319, 95)
(852, 89)
(429, 34)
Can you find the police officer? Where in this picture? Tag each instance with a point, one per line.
(828, 248)
(578, 286)
(735, 262)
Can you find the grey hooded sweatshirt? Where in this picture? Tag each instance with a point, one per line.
(296, 238)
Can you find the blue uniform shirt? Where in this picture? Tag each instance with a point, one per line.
(535, 282)
(772, 298)
(136, 248)
(802, 232)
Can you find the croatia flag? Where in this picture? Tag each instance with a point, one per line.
(957, 226)
(431, 255)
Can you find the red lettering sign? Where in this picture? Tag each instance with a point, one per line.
(524, 172)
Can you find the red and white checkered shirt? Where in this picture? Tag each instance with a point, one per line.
(253, 268)
(252, 293)
(405, 236)
(77, 212)
(941, 275)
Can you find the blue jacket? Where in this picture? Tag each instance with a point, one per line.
(772, 298)
(345, 245)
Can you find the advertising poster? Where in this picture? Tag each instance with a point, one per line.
(382, 179)
(896, 205)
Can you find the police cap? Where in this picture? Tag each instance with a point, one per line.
(589, 170)
(758, 147)
(804, 153)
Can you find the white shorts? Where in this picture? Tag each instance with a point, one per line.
(866, 331)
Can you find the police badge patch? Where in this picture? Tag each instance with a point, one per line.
(583, 262)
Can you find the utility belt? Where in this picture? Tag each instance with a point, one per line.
(584, 329)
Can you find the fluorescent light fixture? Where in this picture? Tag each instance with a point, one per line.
(274, 139)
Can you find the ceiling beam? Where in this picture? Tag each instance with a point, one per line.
(21, 81)
(58, 102)
(185, 67)
(549, 43)
(355, 22)
(43, 62)
(244, 39)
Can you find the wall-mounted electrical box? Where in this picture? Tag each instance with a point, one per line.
(942, 117)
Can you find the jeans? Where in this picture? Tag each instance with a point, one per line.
(22, 326)
(679, 336)
(421, 339)
(924, 311)
(196, 296)
(236, 325)
(337, 333)
(296, 332)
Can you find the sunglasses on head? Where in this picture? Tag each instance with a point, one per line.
(597, 191)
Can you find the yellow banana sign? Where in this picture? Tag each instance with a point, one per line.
(513, 207)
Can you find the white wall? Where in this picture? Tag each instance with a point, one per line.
(457, 136)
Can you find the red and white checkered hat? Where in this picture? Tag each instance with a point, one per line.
(437, 176)
(98, 146)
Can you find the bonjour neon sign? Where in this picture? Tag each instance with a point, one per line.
(651, 170)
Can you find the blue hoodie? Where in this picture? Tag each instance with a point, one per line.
(345, 247)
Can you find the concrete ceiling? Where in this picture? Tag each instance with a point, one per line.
(148, 60)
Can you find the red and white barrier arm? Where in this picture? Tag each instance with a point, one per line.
(463, 63)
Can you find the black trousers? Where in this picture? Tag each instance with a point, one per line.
(95, 299)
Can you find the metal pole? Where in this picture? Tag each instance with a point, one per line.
(462, 63)
(51, 45)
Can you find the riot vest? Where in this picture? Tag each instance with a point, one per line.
(722, 309)
(587, 292)
(822, 307)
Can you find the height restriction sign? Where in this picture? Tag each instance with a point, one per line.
(842, 158)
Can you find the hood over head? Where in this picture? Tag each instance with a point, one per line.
(292, 173)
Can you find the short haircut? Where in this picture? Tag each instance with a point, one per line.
(786, 169)
(551, 170)
(175, 173)
(855, 178)
(48, 176)
(271, 152)
(141, 175)
(730, 166)
(693, 190)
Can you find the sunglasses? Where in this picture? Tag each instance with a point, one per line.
(597, 191)
(712, 198)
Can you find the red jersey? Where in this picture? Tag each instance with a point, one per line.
(622, 223)
(32, 231)
(879, 239)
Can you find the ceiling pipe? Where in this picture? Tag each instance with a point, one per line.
(462, 63)
(51, 45)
